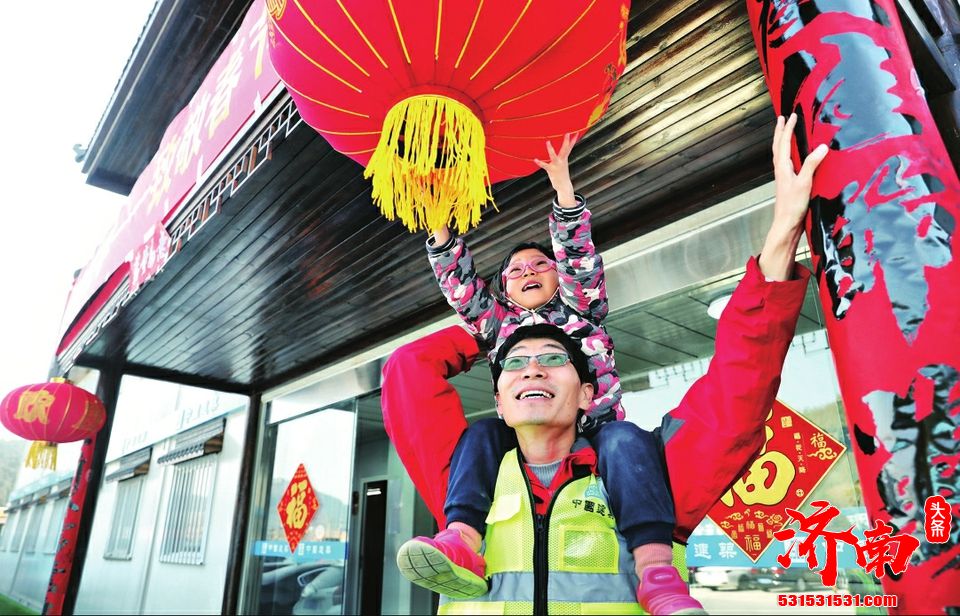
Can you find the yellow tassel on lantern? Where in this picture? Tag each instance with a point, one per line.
(429, 168)
(42, 454)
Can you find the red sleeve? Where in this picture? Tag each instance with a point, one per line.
(717, 430)
(422, 412)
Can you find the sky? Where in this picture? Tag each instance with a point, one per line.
(59, 75)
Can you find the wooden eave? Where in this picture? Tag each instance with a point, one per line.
(179, 44)
(299, 269)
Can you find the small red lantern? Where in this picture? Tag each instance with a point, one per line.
(51, 413)
(441, 99)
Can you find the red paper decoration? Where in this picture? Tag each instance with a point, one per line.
(796, 456)
(49, 413)
(296, 507)
(441, 98)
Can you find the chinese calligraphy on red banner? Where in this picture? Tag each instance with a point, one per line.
(297, 507)
(795, 458)
(880, 548)
(240, 83)
(150, 256)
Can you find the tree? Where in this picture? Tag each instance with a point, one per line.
(11, 459)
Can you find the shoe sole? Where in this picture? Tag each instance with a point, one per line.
(426, 566)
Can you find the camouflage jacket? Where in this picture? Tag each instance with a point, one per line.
(579, 306)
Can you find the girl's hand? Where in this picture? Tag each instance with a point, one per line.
(441, 236)
(558, 170)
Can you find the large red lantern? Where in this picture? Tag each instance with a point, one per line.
(440, 99)
(50, 413)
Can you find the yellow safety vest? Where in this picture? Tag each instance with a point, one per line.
(571, 561)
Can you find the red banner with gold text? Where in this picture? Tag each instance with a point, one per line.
(233, 92)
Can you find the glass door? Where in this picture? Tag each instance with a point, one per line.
(303, 492)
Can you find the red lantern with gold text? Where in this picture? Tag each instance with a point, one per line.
(439, 99)
(50, 413)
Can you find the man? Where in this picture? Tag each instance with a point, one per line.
(551, 539)
(709, 441)
(710, 438)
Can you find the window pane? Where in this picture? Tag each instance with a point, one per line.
(123, 527)
(25, 515)
(188, 511)
(6, 534)
(11, 531)
(55, 524)
(662, 347)
(36, 514)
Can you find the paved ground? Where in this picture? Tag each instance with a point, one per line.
(757, 602)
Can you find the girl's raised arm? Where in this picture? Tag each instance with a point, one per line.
(465, 290)
(582, 284)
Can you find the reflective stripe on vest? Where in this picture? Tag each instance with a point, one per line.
(590, 569)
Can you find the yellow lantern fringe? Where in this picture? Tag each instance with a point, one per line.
(42, 454)
(440, 177)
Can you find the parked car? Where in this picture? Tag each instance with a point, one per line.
(323, 594)
(724, 578)
(301, 588)
(797, 579)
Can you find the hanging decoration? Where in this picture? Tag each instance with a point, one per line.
(51, 413)
(297, 507)
(796, 456)
(440, 99)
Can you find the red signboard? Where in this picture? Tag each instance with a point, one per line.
(233, 92)
(150, 256)
(297, 507)
(796, 456)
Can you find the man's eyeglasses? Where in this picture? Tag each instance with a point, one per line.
(544, 360)
(517, 268)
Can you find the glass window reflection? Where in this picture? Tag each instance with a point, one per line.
(309, 580)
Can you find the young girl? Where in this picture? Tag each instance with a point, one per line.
(564, 287)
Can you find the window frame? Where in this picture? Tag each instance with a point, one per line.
(189, 511)
(55, 524)
(30, 537)
(126, 508)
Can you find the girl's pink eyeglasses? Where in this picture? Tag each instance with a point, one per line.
(539, 265)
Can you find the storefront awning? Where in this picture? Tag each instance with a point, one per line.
(53, 486)
(132, 465)
(158, 81)
(196, 442)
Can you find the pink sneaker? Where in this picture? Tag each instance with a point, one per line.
(662, 591)
(445, 564)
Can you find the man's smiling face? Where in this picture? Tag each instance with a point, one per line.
(541, 396)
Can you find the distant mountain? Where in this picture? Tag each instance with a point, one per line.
(11, 459)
